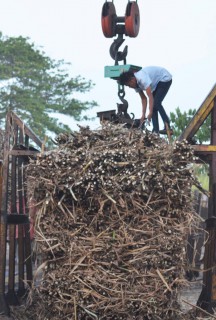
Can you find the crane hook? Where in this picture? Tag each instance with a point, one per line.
(118, 55)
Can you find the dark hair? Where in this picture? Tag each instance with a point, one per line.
(125, 77)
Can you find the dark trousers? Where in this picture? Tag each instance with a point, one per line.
(159, 94)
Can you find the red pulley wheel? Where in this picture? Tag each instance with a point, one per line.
(108, 18)
(132, 19)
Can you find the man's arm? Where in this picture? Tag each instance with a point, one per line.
(144, 105)
(151, 102)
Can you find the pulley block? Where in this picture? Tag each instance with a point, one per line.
(108, 19)
(111, 23)
(132, 19)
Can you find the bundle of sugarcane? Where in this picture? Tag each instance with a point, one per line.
(114, 210)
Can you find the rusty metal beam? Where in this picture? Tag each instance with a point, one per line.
(204, 152)
(201, 148)
(200, 116)
(11, 295)
(23, 153)
(25, 129)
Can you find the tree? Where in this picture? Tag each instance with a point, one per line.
(180, 120)
(33, 85)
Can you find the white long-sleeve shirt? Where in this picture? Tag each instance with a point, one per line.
(150, 76)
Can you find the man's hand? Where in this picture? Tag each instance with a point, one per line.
(144, 105)
(142, 119)
(149, 116)
(151, 103)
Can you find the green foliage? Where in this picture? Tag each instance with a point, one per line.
(201, 171)
(33, 86)
(204, 181)
(180, 120)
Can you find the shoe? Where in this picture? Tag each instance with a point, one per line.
(164, 131)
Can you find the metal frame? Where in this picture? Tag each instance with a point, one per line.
(207, 299)
(14, 223)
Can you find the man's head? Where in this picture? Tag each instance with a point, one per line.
(128, 79)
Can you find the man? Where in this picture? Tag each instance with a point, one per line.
(155, 82)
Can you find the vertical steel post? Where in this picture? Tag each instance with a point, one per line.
(11, 295)
(4, 308)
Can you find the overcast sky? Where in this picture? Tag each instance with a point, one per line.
(178, 35)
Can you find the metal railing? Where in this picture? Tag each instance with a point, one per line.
(15, 242)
